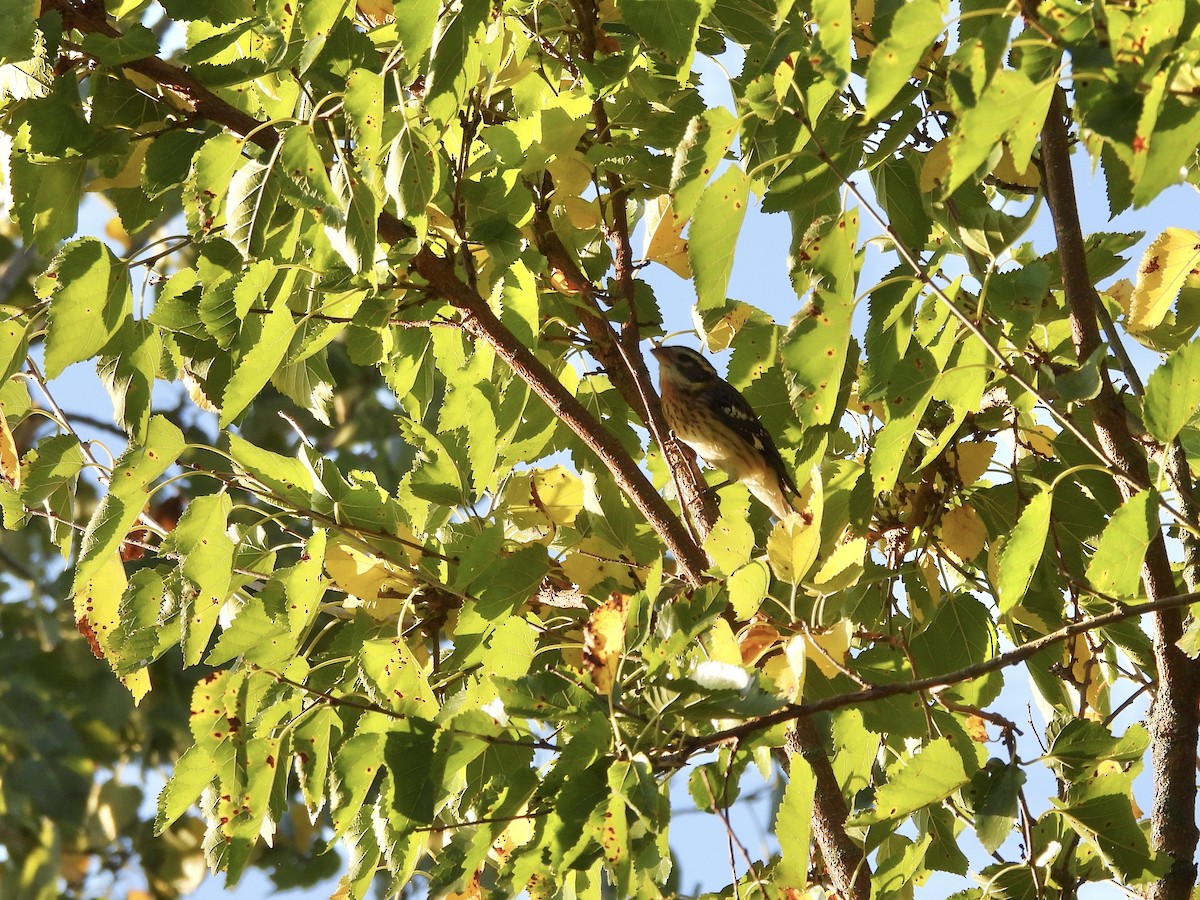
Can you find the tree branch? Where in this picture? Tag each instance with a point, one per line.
(440, 274)
(1174, 718)
(931, 683)
(843, 857)
(625, 366)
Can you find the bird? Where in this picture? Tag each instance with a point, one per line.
(708, 414)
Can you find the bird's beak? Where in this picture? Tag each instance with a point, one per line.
(658, 352)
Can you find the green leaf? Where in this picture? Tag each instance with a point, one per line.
(993, 795)
(668, 27)
(14, 345)
(412, 173)
(467, 407)
(136, 41)
(285, 478)
(835, 22)
(1115, 567)
(208, 183)
(139, 465)
(704, 145)
(896, 185)
(1080, 747)
(250, 205)
(1173, 393)
(1107, 823)
(192, 773)
(455, 61)
(415, 32)
(56, 461)
(16, 38)
(961, 634)
(263, 349)
(1022, 551)
(207, 562)
(128, 371)
(731, 541)
(355, 768)
(364, 114)
(712, 238)
(511, 582)
(908, 394)
(793, 825)
(90, 300)
(1010, 105)
(915, 27)
(932, 774)
(409, 752)
(394, 678)
(748, 588)
(305, 167)
(313, 741)
(356, 241)
(254, 634)
(815, 348)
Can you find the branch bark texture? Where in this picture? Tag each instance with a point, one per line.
(1174, 717)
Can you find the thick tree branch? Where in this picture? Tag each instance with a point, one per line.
(440, 274)
(1174, 718)
(843, 857)
(627, 369)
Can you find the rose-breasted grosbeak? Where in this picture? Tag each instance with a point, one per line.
(708, 414)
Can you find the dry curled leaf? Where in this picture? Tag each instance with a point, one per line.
(604, 641)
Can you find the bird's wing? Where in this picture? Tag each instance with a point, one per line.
(737, 409)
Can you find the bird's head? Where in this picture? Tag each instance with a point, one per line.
(683, 368)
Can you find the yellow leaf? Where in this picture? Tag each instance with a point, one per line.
(564, 283)
(754, 641)
(722, 645)
(543, 498)
(846, 560)
(719, 334)
(828, 649)
(516, 834)
(96, 616)
(863, 36)
(929, 572)
(664, 237)
(791, 679)
(792, 547)
(382, 586)
(972, 459)
(1122, 292)
(604, 641)
(1006, 172)
(591, 561)
(10, 460)
(1086, 671)
(130, 174)
(1169, 262)
(1039, 438)
(963, 533)
(571, 173)
(115, 230)
(472, 890)
(936, 168)
(584, 215)
(977, 729)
